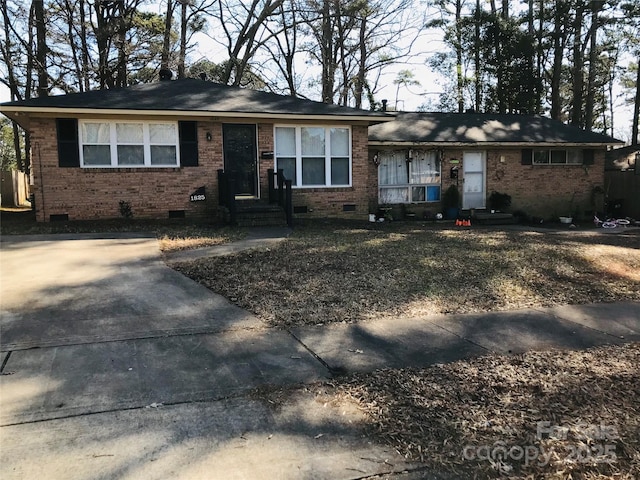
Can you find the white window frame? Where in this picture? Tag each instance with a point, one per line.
(327, 154)
(113, 143)
(549, 154)
(409, 186)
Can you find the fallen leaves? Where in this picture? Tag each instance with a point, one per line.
(331, 273)
(540, 414)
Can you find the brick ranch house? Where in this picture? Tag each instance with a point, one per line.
(548, 168)
(153, 146)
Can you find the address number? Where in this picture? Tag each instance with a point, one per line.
(198, 198)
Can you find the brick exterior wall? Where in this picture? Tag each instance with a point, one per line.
(85, 193)
(541, 190)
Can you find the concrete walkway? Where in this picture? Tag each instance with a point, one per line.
(119, 367)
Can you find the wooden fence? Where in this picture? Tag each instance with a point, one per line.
(14, 188)
(624, 186)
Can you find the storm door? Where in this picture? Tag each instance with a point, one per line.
(240, 157)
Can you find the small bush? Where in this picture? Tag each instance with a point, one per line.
(499, 201)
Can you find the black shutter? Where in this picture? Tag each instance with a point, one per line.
(68, 149)
(587, 157)
(188, 132)
(527, 156)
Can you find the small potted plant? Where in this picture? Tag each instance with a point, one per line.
(451, 202)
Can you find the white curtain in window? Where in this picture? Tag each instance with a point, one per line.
(425, 167)
(393, 168)
(285, 142)
(394, 195)
(339, 142)
(129, 133)
(96, 133)
(312, 142)
(162, 134)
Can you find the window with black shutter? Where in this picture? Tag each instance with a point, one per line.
(188, 143)
(68, 150)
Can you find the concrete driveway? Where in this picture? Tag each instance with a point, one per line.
(67, 290)
(117, 366)
(114, 363)
(80, 309)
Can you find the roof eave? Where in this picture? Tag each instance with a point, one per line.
(14, 112)
(385, 143)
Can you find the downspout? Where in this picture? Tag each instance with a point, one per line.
(44, 216)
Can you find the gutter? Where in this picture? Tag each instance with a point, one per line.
(378, 143)
(15, 112)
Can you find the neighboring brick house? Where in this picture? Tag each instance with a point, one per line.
(153, 145)
(548, 168)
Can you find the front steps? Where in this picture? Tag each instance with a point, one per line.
(256, 213)
(485, 217)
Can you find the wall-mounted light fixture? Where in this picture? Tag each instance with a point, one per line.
(376, 159)
(208, 136)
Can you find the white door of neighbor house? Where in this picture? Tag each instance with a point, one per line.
(474, 177)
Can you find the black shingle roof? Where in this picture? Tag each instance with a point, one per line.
(482, 128)
(191, 95)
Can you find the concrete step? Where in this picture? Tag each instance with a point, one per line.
(259, 214)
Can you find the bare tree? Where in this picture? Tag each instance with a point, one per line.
(245, 32)
(41, 50)
(285, 31)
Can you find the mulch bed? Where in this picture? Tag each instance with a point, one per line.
(345, 273)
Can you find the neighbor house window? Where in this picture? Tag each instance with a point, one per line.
(558, 157)
(314, 156)
(404, 181)
(128, 144)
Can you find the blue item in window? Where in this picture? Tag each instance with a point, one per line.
(433, 194)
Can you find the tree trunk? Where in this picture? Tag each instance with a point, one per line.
(636, 110)
(556, 107)
(578, 67)
(539, 57)
(460, 83)
(593, 67)
(84, 46)
(166, 41)
(362, 63)
(327, 53)
(183, 40)
(75, 55)
(41, 51)
(102, 42)
(478, 101)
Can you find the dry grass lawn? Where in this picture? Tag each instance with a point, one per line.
(340, 272)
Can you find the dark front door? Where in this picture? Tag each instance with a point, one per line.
(240, 157)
